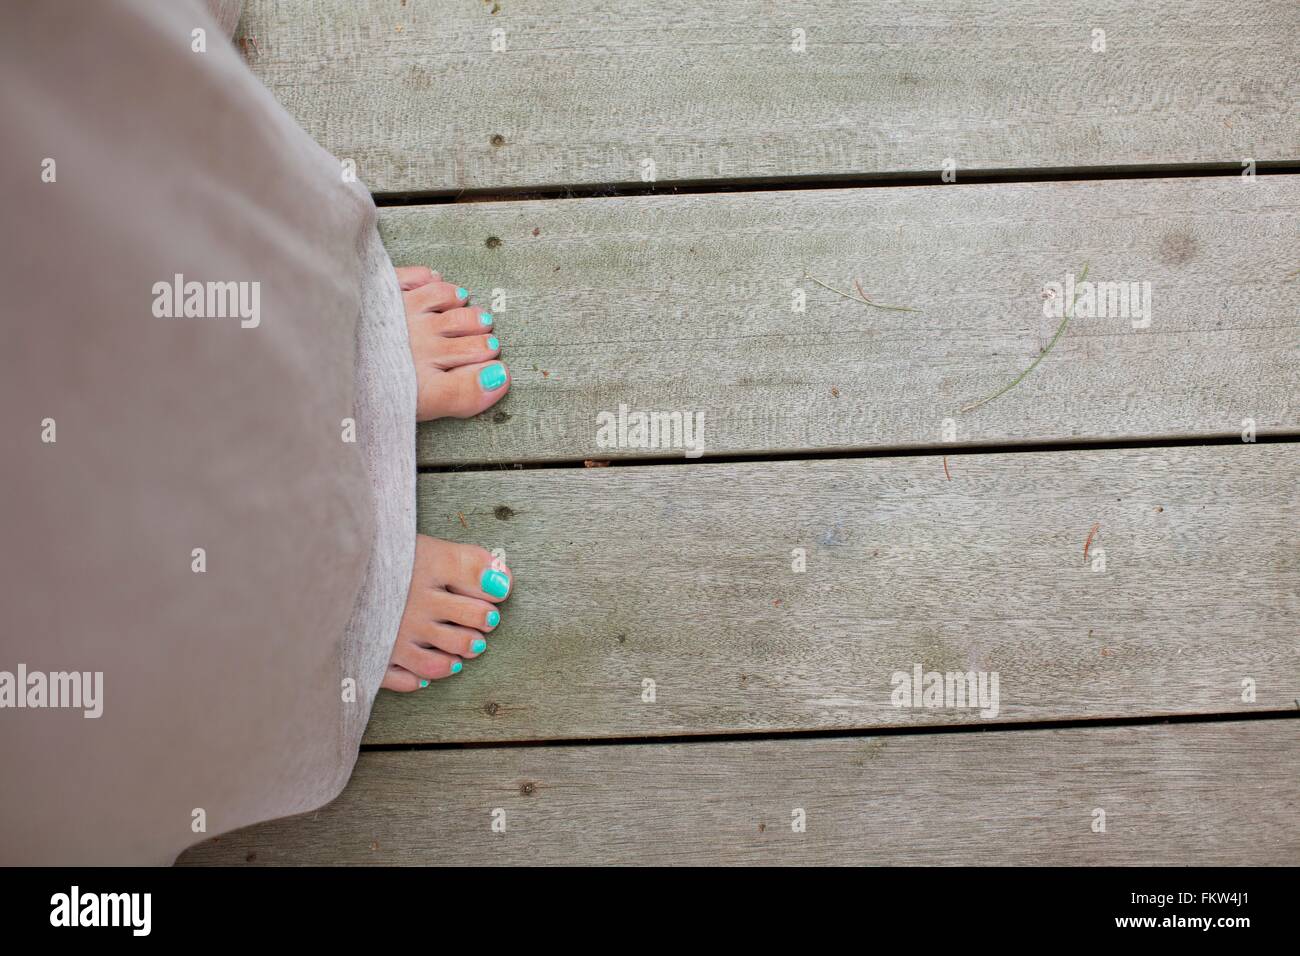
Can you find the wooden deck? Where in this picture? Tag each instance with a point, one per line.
(700, 662)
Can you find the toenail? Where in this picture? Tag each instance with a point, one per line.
(462, 293)
(479, 646)
(492, 377)
(485, 318)
(495, 583)
(493, 343)
(424, 683)
(456, 666)
(494, 618)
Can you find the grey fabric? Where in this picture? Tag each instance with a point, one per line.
(385, 402)
(223, 688)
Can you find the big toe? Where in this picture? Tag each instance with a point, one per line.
(472, 571)
(463, 392)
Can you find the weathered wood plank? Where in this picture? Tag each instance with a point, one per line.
(1172, 795)
(685, 304)
(415, 95)
(682, 574)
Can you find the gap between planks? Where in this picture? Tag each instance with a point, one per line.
(774, 184)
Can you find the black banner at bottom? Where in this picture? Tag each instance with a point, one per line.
(382, 905)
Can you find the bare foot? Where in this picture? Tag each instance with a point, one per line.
(453, 347)
(449, 609)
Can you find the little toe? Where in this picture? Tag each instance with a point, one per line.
(412, 277)
(435, 296)
(401, 680)
(462, 392)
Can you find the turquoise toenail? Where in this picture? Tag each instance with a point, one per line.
(494, 618)
(495, 583)
(494, 343)
(485, 318)
(492, 377)
(456, 666)
(424, 683)
(479, 646)
(462, 293)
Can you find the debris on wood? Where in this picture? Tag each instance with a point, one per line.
(946, 473)
(461, 516)
(855, 298)
(835, 392)
(1065, 319)
(1088, 541)
(588, 463)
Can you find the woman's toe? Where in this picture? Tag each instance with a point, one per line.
(400, 679)
(466, 611)
(470, 320)
(456, 640)
(426, 663)
(411, 277)
(471, 571)
(434, 296)
(462, 392)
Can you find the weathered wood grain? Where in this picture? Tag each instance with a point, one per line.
(582, 93)
(682, 575)
(685, 304)
(1172, 795)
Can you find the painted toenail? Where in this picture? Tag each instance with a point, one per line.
(456, 666)
(424, 683)
(485, 318)
(492, 377)
(479, 646)
(494, 618)
(494, 343)
(495, 583)
(462, 293)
